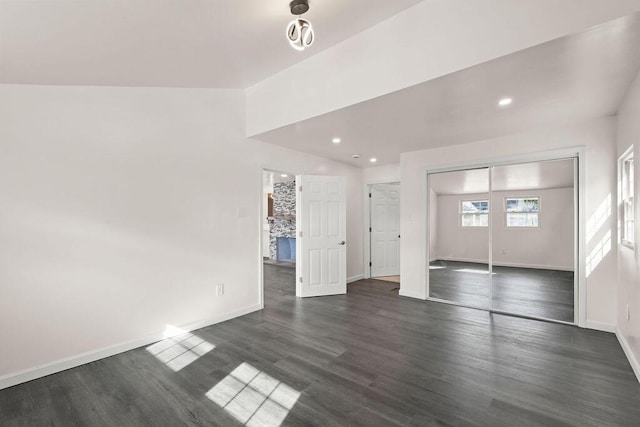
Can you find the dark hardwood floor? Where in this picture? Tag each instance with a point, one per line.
(530, 292)
(366, 358)
(290, 264)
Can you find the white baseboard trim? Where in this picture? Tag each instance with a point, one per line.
(355, 278)
(91, 356)
(533, 266)
(456, 259)
(599, 326)
(404, 293)
(508, 264)
(633, 360)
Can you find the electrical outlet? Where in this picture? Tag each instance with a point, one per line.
(628, 312)
(220, 289)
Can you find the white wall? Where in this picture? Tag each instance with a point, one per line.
(551, 246)
(121, 209)
(381, 174)
(628, 259)
(400, 52)
(598, 139)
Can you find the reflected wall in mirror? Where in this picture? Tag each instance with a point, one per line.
(459, 215)
(533, 239)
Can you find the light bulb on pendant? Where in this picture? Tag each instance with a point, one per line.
(300, 32)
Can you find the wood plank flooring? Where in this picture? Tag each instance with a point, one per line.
(395, 279)
(366, 358)
(531, 292)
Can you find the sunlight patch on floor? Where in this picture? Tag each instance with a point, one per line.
(180, 348)
(253, 397)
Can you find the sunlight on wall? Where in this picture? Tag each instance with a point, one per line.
(598, 253)
(253, 397)
(180, 348)
(599, 218)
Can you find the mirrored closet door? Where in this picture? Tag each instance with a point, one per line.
(533, 239)
(459, 217)
(503, 238)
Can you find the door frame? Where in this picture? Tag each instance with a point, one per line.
(580, 297)
(366, 223)
(261, 207)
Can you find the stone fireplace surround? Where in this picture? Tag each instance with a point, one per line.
(283, 221)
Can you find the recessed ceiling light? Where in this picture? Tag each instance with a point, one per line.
(336, 140)
(373, 160)
(284, 175)
(356, 156)
(505, 101)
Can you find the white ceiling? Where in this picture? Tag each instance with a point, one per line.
(569, 79)
(174, 43)
(525, 176)
(236, 43)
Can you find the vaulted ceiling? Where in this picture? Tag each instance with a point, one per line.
(566, 80)
(387, 77)
(167, 43)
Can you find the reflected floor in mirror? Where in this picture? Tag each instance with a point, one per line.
(531, 292)
(368, 358)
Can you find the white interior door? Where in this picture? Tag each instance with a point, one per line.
(321, 248)
(385, 230)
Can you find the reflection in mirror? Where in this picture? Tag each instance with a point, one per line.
(533, 239)
(459, 214)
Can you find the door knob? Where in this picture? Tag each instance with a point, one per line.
(342, 243)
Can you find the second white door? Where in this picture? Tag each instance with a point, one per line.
(385, 230)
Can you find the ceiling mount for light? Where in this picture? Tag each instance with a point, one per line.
(300, 31)
(298, 7)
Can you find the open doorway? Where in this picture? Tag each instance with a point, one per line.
(303, 235)
(384, 231)
(278, 222)
(279, 218)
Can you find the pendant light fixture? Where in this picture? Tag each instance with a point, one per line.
(299, 31)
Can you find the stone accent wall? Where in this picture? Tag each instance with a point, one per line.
(283, 223)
